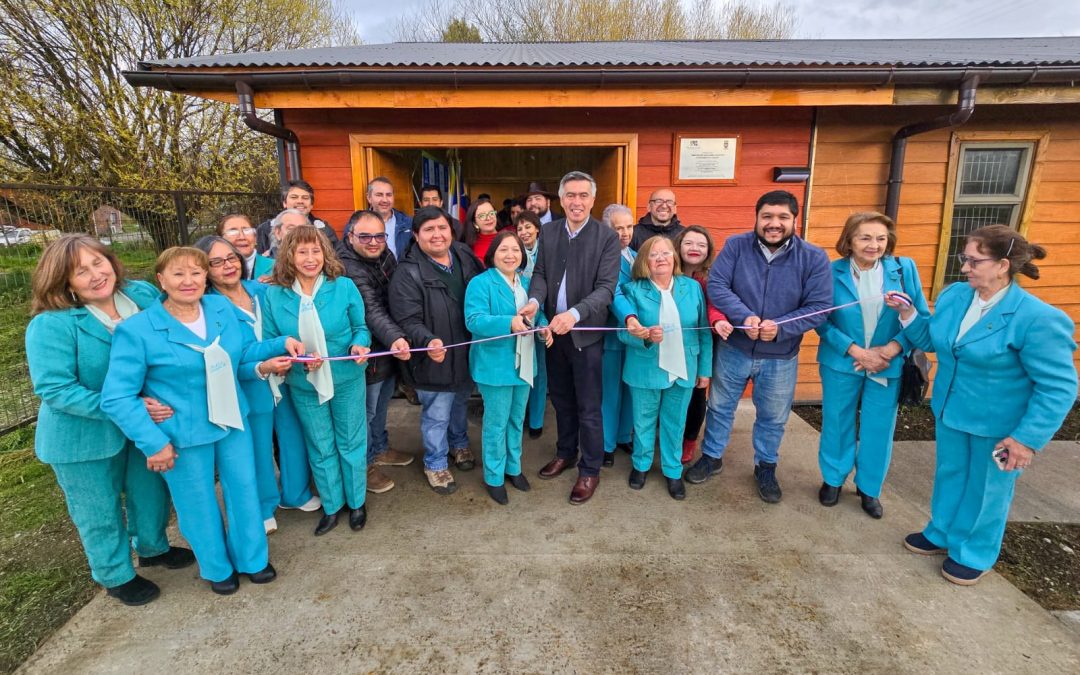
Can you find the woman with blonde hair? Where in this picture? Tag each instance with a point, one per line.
(188, 351)
(79, 296)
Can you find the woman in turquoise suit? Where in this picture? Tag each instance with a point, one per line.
(504, 370)
(527, 225)
(263, 392)
(1005, 382)
(79, 295)
(859, 358)
(615, 406)
(188, 351)
(311, 298)
(668, 355)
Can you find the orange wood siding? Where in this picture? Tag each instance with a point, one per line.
(852, 163)
(771, 137)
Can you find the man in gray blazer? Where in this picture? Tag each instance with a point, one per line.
(577, 268)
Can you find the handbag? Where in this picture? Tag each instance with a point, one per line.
(915, 372)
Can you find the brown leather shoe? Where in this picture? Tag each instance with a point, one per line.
(556, 467)
(584, 489)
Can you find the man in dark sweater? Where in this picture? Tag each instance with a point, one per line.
(577, 268)
(298, 195)
(759, 279)
(660, 220)
(370, 265)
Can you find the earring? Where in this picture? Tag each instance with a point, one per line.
(74, 298)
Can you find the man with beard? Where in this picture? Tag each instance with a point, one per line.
(538, 200)
(759, 279)
(660, 220)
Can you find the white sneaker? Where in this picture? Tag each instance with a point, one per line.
(270, 525)
(313, 504)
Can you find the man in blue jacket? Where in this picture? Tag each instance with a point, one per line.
(762, 279)
(399, 234)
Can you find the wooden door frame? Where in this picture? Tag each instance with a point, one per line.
(360, 146)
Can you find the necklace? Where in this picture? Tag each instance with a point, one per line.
(181, 314)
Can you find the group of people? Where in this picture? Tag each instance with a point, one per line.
(283, 336)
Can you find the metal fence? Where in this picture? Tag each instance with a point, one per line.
(136, 224)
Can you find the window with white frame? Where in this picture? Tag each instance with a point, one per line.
(991, 185)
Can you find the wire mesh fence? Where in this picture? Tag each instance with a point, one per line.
(136, 224)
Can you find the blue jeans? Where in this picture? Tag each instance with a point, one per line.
(443, 424)
(378, 399)
(774, 390)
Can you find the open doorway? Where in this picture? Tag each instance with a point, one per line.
(500, 166)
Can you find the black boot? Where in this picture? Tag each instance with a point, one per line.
(138, 591)
(177, 557)
(326, 523)
(498, 493)
(358, 518)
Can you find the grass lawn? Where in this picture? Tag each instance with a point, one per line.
(44, 578)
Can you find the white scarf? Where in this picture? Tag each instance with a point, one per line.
(314, 339)
(672, 352)
(868, 284)
(525, 350)
(125, 307)
(221, 400)
(274, 380)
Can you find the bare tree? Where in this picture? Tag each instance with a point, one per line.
(588, 20)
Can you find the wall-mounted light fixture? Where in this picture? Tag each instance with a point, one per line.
(790, 174)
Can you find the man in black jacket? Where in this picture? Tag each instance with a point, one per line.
(427, 299)
(660, 220)
(574, 280)
(370, 265)
(299, 195)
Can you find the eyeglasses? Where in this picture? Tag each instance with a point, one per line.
(231, 259)
(965, 260)
(237, 232)
(660, 255)
(665, 202)
(486, 216)
(365, 238)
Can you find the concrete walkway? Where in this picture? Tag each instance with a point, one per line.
(630, 582)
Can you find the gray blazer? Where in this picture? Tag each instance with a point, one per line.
(591, 264)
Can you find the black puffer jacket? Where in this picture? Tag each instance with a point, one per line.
(372, 279)
(423, 306)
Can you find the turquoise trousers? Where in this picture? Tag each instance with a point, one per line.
(666, 407)
(262, 436)
(336, 434)
(242, 548)
(92, 490)
(292, 453)
(845, 398)
(504, 415)
(538, 393)
(971, 498)
(615, 406)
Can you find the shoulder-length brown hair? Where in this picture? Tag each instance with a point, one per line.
(710, 247)
(640, 269)
(843, 244)
(285, 268)
(49, 288)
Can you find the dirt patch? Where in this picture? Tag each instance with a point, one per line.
(917, 423)
(1043, 560)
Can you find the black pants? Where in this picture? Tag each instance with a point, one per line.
(574, 383)
(695, 414)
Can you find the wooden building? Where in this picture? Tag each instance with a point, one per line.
(966, 132)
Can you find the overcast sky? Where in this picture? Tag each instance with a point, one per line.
(847, 18)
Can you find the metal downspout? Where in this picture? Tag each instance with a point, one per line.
(965, 107)
(246, 98)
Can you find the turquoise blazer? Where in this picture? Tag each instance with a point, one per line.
(1012, 373)
(489, 309)
(642, 365)
(256, 390)
(620, 306)
(151, 357)
(341, 310)
(68, 354)
(844, 327)
(263, 265)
